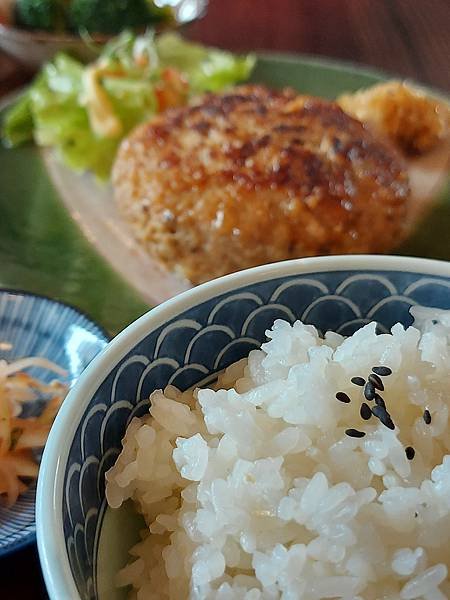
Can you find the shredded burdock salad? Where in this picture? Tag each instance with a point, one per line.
(21, 436)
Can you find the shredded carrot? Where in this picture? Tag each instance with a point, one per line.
(5, 420)
(19, 436)
(172, 90)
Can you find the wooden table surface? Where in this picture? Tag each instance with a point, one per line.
(409, 38)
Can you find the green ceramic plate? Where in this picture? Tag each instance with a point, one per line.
(47, 246)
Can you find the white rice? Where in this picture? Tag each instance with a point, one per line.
(253, 490)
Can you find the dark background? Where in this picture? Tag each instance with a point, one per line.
(409, 38)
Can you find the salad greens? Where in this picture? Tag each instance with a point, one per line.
(85, 111)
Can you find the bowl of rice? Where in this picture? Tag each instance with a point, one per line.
(279, 433)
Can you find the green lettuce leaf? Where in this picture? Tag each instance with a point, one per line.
(207, 69)
(18, 124)
(62, 122)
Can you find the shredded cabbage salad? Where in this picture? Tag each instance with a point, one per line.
(20, 435)
(85, 111)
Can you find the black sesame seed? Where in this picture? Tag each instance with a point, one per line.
(365, 411)
(389, 423)
(427, 416)
(369, 391)
(342, 397)
(354, 433)
(410, 452)
(376, 382)
(382, 371)
(379, 401)
(358, 381)
(382, 414)
(377, 411)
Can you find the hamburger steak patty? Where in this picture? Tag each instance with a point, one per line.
(254, 176)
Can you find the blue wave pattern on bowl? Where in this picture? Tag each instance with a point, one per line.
(36, 326)
(204, 340)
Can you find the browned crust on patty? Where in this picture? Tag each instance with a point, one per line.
(254, 176)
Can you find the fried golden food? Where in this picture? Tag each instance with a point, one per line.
(254, 176)
(412, 120)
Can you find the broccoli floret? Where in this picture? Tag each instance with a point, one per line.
(40, 14)
(109, 16)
